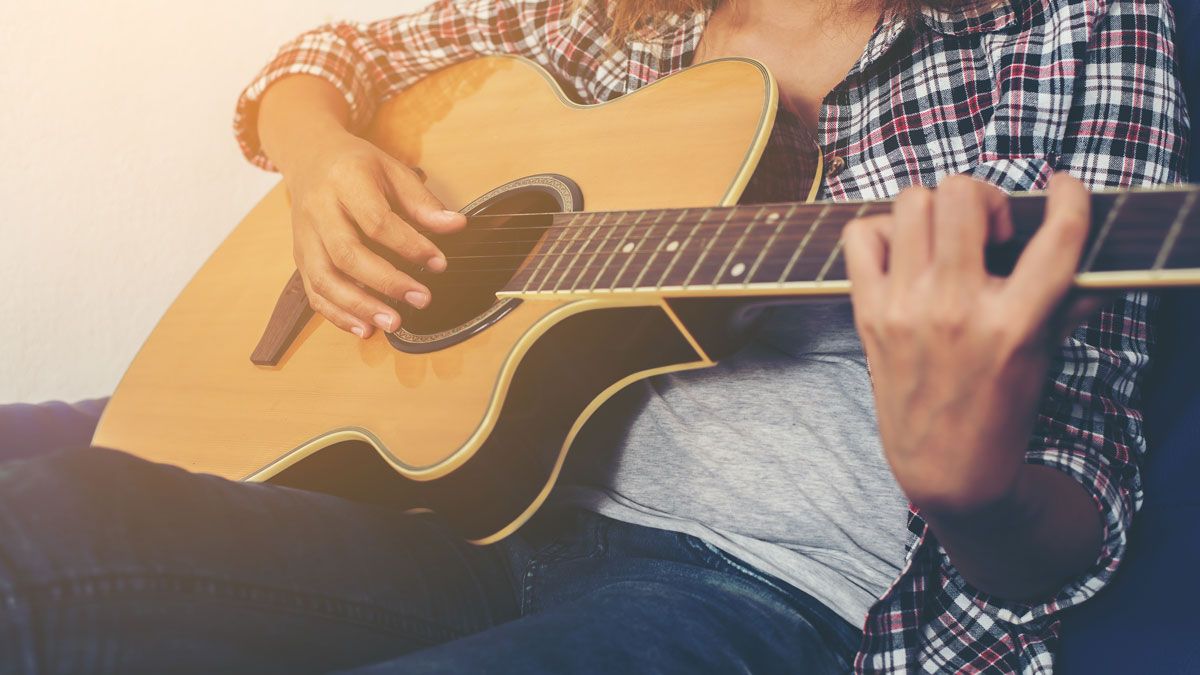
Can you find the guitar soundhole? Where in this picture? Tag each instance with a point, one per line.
(482, 258)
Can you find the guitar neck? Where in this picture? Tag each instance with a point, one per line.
(1139, 238)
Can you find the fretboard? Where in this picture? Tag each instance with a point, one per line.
(1138, 238)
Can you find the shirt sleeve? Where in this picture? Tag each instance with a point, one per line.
(371, 62)
(1126, 128)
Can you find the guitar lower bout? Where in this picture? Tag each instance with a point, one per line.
(469, 409)
(569, 365)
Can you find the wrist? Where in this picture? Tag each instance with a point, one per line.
(307, 144)
(1002, 504)
(299, 118)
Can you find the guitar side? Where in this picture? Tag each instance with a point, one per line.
(478, 430)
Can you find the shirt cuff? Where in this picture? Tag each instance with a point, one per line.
(1116, 507)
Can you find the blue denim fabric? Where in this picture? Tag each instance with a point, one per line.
(109, 564)
(29, 429)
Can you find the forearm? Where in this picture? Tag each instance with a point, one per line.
(1027, 546)
(296, 112)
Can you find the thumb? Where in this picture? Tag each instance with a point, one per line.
(417, 204)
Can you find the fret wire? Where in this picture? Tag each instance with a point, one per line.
(711, 242)
(1176, 227)
(578, 257)
(538, 267)
(770, 242)
(567, 247)
(674, 259)
(629, 258)
(738, 245)
(1104, 229)
(588, 214)
(837, 248)
(608, 260)
(570, 253)
(583, 251)
(755, 237)
(661, 245)
(804, 242)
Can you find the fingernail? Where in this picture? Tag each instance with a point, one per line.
(384, 321)
(436, 264)
(417, 299)
(448, 214)
(358, 330)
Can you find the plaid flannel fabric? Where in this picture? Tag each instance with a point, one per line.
(1009, 94)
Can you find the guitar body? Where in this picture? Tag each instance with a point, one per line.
(474, 413)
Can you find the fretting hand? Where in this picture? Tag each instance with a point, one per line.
(959, 357)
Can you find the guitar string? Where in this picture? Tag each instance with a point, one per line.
(660, 265)
(700, 227)
(746, 245)
(697, 226)
(1022, 199)
(1124, 239)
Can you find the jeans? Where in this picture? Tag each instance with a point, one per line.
(110, 564)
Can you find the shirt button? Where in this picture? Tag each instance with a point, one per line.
(834, 165)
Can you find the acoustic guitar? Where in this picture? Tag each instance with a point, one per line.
(603, 246)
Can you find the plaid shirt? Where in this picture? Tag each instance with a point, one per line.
(1008, 94)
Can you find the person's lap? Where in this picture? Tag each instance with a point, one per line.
(113, 564)
(29, 429)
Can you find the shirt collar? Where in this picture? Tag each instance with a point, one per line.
(670, 44)
(980, 17)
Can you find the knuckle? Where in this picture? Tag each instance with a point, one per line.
(914, 196)
(959, 185)
(948, 318)
(344, 253)
(414, 247)
(375, 224)
(406, 172)
(915, 191)
(318, 284)
(402, 241)
(361, 307)
(895, 320)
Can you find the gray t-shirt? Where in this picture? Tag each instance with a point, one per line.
(772, 456)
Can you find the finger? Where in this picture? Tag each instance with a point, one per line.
(962, 211)
(346, 250)
(1046, 268)
(337, 316)
(417, 203)
(910, 237)
(865, 246)
(322, 279)
(376, 220)
(325, 281)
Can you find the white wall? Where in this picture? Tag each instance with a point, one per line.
(118, 170)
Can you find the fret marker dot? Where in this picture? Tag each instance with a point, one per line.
(627, 248)
(672, 246)
(737, 269)
(773, 217)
